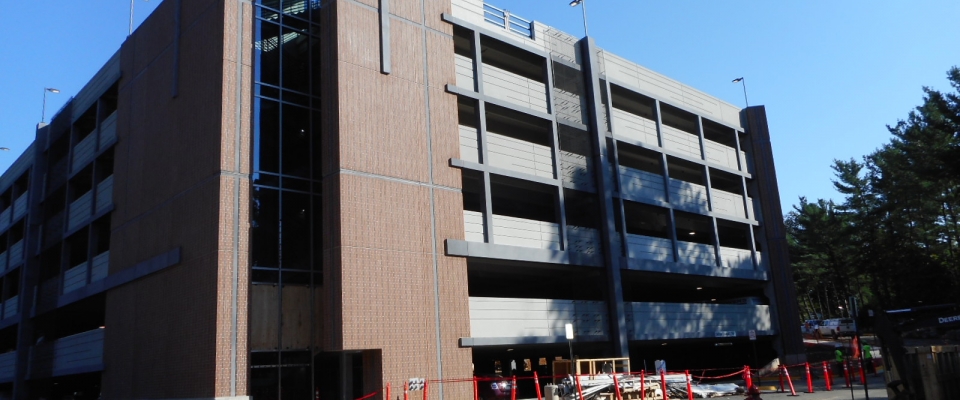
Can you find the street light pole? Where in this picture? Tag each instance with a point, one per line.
(744, 83)
(43, 111)
(569, 329)
(583, 5)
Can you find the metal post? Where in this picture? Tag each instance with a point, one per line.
(583, 6)
(43, 111)
(131, 18)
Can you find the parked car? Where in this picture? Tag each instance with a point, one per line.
(836, 327)
(810, 326)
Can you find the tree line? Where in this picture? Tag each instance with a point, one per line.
(894, 240)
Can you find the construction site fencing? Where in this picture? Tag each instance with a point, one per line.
(805, 377)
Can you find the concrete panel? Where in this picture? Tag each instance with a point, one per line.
(469, 146)
(513, 88)
(16, 253)
(721, 154)
(83, 152)
(649, 248)
(75, 278)
(680, 141)
(647, 321)
(464, 69)
(727, 203)
(100, 266)
(519, 155)
(689, 196)
(78, 351)
(5, 218)
(696, 253)
(80, 211)
(583, 240)
(108, 131)
(512, 317)
(736, 258)
(20, 206)
(641, 185)
(577, 171)
(8, 364)
(522, 232)
(101, 81)
(473, 228)
(104, 194)
(11, 306)
(468, 10)
(634, 128)
(639, 78)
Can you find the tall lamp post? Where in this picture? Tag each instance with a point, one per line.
(131, 17)
(569, 328)
(43, 112)
(582, 5)
(744, 83)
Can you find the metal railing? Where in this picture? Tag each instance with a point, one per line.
(505, 20)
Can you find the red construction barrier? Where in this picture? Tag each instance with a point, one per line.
(579, 388)
(388, 391)
(663, 384)
(689, 388)
(476, 389)
(616, 387)
(369, 395)
(536, 382)
(780, 372)
(513, 389)
(406, 391)
(643, 391)
(846, 375)
(425, 387)
(793, 392)
(747, 378)
(827, 378)
(809, 379)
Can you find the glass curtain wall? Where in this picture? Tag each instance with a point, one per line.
(286, 225)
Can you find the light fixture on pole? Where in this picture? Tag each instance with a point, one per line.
(43, 112)
(569, 328)
(582, 5)
(744, 83)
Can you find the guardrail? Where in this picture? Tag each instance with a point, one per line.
(510, 22)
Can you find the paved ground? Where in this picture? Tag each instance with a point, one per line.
(875, 385)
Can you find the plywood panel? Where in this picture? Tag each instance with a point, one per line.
(264, 304)
(295, 325)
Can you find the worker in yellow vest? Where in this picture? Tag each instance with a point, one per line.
(868, 359)
(838, 356)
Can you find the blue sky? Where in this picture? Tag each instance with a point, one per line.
(832, 74)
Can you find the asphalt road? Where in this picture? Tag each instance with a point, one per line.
(876, 389)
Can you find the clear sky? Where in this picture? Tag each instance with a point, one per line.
(832, 74)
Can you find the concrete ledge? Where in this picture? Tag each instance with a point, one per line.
(692, 269)
(464, 248)
(700, 335)
(506, 341)
(493, 34)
